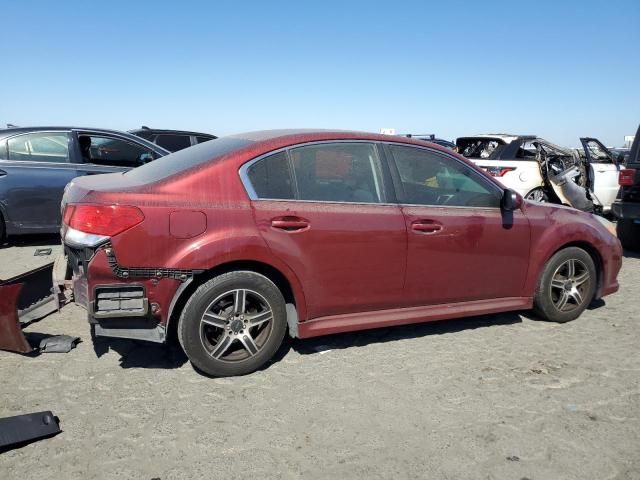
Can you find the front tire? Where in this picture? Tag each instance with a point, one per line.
(629, 234)
(537, 195)
(566, 286)
(233, 324)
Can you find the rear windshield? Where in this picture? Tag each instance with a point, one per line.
(185, 159)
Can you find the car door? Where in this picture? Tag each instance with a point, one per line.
(604, 171)
(34, 170)
(324, 210)
(97, 152)
(461, 245)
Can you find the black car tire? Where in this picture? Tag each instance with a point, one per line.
(203, 342)
(2, 231)
(629, 234)
(538, 193)
(549, 295)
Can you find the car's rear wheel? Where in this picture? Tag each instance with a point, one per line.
(566, 286)
(537, 195)
(629, 234)
(233, 324)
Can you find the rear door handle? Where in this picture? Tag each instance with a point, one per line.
(290, 224)
(426, 226)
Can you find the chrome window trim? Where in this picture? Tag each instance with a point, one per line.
(244, 176)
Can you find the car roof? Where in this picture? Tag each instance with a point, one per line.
(286, 137)
(505, 137)
(166, 130)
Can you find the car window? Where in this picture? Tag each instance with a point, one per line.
(598, 153)
(430, 178)
(173, 143)
(270, 177)
(112, 151)
(39, 147)
(338, 172)
(203, 139)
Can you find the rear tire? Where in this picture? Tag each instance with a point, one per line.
(629, 234)
(566, 286)
(233, 324)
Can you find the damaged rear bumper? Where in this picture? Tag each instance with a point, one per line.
(26, 298)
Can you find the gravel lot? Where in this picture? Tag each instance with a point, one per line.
(493, 397)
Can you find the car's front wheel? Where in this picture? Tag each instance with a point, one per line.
(566, 286)
(233, 324)
(537, 195)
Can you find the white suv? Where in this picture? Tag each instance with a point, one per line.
(536, 168)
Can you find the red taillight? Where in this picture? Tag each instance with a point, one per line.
(68, 213)
(626, 177)
(107, 220)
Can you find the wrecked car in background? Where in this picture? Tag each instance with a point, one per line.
(544, 172)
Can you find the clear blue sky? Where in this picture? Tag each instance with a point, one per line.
(558, 69)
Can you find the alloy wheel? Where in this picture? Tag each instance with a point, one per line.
(569, 284)
(236, 325)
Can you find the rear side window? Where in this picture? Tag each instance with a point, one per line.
(112, 151)
(39, 147)
(338, 172)
(430, 178)
(203, 139)
(271, 178)
(173, 143)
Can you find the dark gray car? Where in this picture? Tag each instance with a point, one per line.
(37, 163)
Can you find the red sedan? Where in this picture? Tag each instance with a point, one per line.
(236, 241)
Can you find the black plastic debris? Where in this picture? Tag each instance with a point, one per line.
(42, 252)
(58, 344)
(21, 430)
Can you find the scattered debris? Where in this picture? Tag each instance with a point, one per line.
(42, 252)
(513, 458)
(21, 430)
(58, 344)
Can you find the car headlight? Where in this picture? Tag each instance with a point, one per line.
(610, 226)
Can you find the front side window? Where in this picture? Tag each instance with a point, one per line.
(173, 143)
(430, 178)
(338, 172)
(39, 147)
(271, 178)
(112, 151)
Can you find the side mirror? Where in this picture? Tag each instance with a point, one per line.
(510, 200)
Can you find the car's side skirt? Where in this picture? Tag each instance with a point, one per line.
(404, 316)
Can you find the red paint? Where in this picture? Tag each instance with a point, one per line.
(350, 266)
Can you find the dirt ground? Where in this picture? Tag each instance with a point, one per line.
(493, 397)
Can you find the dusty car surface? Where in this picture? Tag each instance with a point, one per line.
(544, 172)
(234, 242)
(37, 162)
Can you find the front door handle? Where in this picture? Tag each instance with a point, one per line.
(290, 224)
(426, 226)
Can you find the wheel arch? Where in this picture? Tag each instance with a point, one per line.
(292, 293)
(593, 253)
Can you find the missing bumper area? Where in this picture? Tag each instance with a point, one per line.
(116, 301)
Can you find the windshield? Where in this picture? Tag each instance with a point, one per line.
(185, 159)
